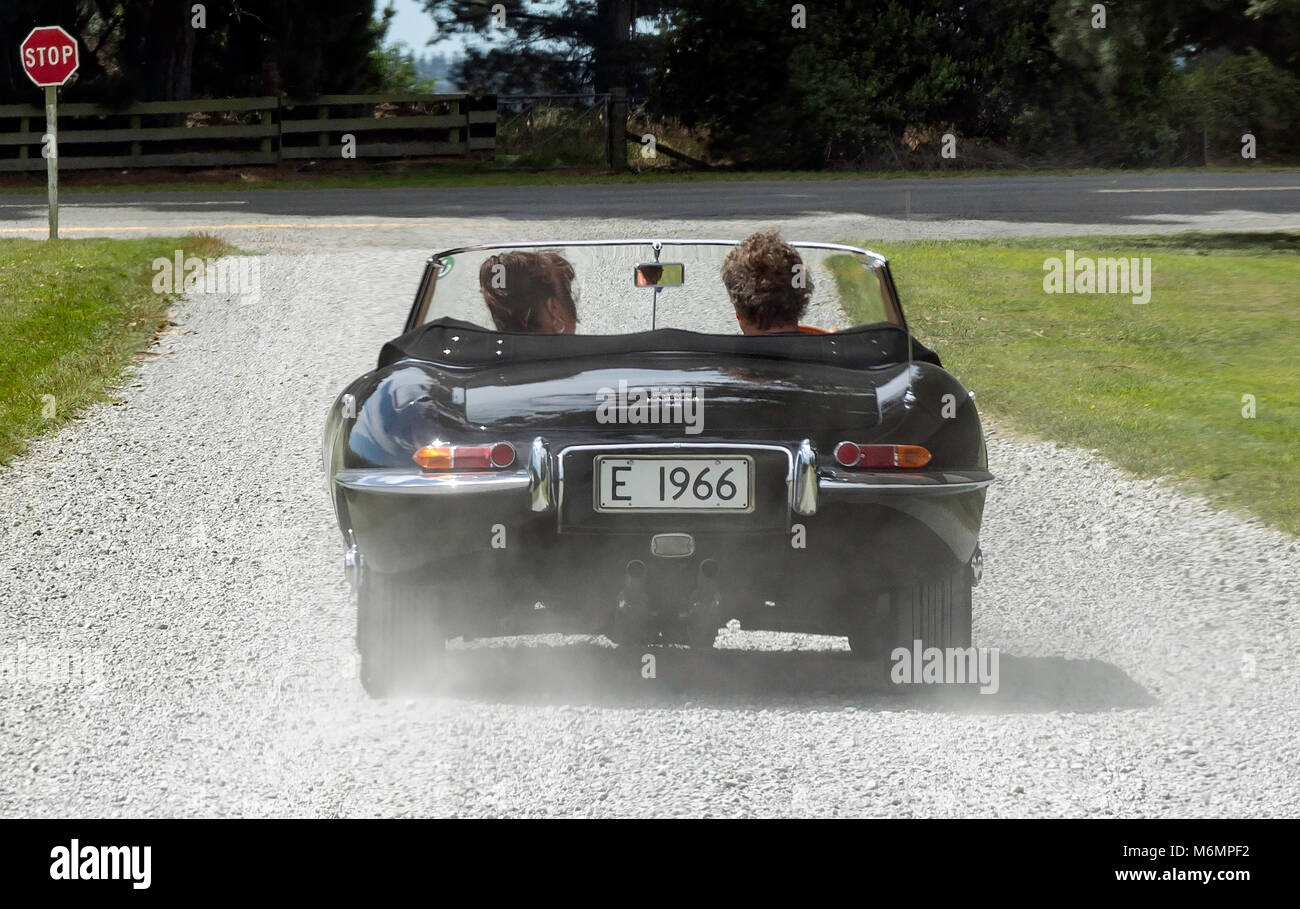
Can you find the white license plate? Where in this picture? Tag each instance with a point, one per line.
(695, 483)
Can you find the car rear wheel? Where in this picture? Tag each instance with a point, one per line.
(935, 611)
(399, 635)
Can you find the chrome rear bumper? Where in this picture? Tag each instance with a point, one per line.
(401, 481)
(928, 483)
(544, 485)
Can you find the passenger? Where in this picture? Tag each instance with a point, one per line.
(529, 291)
(769, 286)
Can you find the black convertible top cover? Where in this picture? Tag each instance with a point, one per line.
(451, 342)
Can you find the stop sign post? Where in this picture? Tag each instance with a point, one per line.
(50, 56)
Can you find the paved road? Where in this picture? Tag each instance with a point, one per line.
(962, 206)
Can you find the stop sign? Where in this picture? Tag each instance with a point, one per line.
(49, 55)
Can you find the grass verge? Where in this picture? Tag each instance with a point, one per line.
(1157, 388)
(73, 314)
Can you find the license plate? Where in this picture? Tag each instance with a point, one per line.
(699, 483)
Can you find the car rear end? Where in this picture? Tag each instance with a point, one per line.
(804, 488)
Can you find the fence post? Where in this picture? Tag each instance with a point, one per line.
(264, 118)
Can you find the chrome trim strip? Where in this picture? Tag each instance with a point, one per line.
(401, 481)
(835, 487)
(804, 484)
(649, 241)
(538, 472)
(352, 567)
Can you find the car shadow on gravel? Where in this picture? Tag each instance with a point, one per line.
(594, 675)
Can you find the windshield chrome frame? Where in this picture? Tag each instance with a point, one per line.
(424, 295)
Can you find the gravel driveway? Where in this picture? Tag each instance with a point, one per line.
(177, 634)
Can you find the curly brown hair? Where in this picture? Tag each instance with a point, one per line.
(766, 280)
(516, 286)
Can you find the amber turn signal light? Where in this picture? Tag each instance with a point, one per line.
(465, 457)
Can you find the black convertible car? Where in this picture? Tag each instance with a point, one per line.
(620, 460)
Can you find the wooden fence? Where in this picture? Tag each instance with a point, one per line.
(247, 131)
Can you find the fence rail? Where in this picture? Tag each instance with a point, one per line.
(246, 131)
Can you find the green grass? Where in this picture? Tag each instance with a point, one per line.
(1157, 388)
(365, 176)
(73, 313)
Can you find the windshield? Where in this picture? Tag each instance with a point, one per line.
(627, 286)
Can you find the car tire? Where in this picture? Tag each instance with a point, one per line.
(935, 611)
(399, 635)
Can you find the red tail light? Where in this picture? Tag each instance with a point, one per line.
(465, 457)
(851, 454)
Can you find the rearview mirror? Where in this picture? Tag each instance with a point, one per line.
(660, 274)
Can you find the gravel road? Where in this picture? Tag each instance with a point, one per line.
(177, 634)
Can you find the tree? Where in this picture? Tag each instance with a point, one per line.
(544, 48)
(157, 50)
(301, 48)
(726, 67)
(150, 50)
(79, 17)
(398, 69)
(1138, 105)
(850, 76)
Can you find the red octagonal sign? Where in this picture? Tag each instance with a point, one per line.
(49, 55)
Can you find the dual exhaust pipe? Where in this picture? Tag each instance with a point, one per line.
(636, 623)
(705, 614)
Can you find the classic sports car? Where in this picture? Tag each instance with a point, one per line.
(640, 469)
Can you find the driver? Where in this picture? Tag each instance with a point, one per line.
(769, 286)
(529, 291)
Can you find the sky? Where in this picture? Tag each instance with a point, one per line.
(414, 26)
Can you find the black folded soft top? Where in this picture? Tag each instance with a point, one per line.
(451, 342)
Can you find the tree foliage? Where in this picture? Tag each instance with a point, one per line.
(764, 82)
(869, 80)
(853, 74)
(151, 50)
(535, 46)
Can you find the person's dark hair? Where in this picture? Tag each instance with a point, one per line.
(766, 280)
(516, 286)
